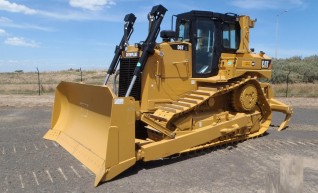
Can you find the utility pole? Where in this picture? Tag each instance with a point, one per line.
(277, 23)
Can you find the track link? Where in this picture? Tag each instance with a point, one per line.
(164, 117)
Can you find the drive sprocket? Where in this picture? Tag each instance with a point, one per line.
(245, 98)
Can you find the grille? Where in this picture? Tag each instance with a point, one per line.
(127, 67)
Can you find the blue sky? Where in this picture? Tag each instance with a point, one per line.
(63, 34)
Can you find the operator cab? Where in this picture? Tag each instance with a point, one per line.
(210, 35)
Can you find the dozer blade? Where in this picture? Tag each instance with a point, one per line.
(283, 108)
(95, 127)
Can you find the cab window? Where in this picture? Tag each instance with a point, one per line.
(230, 36)
(184, 30)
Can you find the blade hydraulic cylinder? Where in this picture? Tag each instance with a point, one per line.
(156, 16)
(128, 29)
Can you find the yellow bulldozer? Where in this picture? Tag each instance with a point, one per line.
(200, 87)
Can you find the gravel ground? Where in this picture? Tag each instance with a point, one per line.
(47, 100)
(29, 163)
(26, 100)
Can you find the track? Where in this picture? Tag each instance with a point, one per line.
(162, 120)
(166, 114)
(30, 164)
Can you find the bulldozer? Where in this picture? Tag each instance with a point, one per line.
(201, 87)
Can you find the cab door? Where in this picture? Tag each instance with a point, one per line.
(205, 48)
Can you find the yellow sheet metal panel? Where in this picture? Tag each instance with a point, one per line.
(80, 109)
(199, 136)
(95, 127)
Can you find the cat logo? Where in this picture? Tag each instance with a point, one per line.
(266, 63)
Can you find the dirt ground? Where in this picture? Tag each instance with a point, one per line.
(28, 163)
(47, 101)
(26, 100)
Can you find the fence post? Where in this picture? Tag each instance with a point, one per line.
(39, 83)
(81, 75)
(287, 81)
